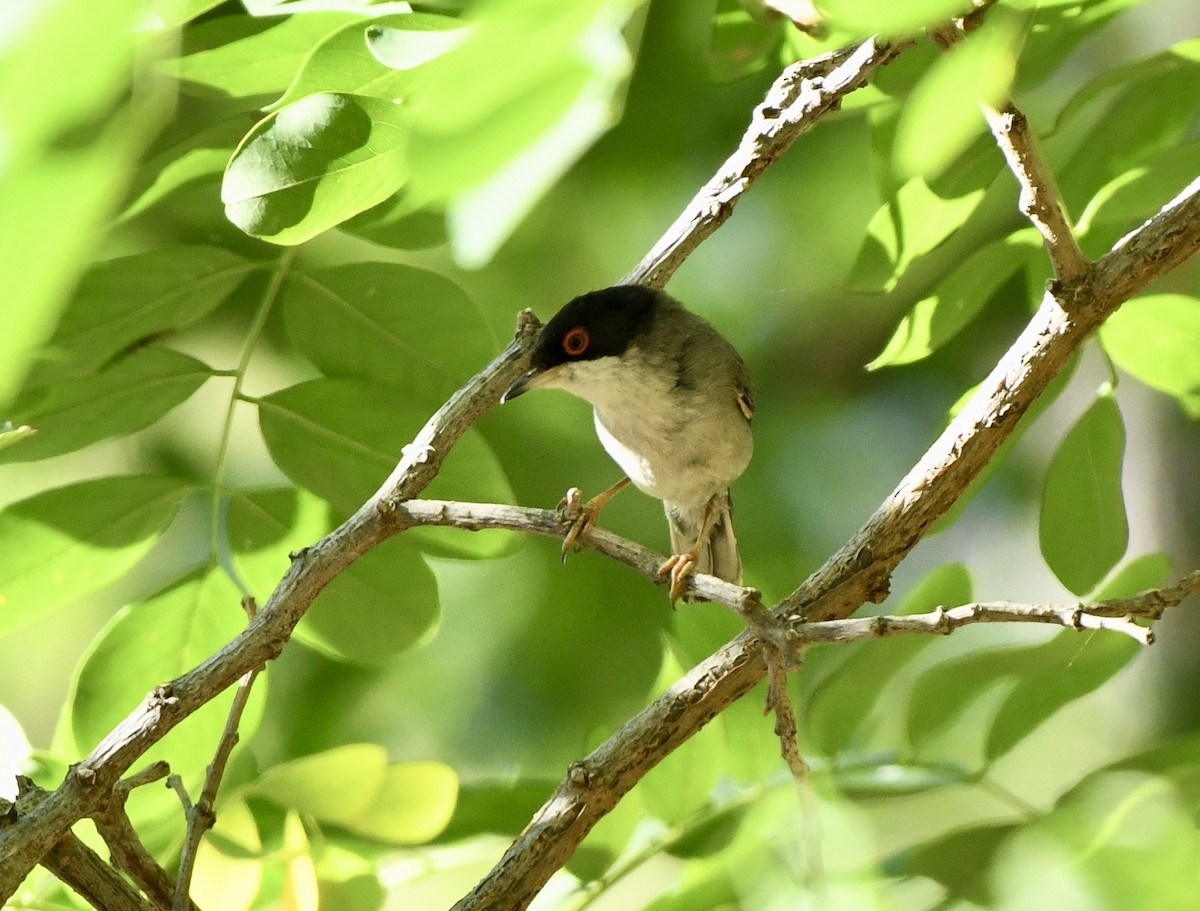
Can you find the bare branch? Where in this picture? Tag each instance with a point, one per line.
(89, 783)
(803, 93)
(128, 852)
(1039, 199)
(860, 571)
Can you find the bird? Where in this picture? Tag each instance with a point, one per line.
(672, 405)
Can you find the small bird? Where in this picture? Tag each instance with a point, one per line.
(672, 405)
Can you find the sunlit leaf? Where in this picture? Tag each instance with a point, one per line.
(406, 42)
(915, 222)
(1156, 339)
(959, 297)
(72, 132)
(313, 164)
(355, 788)
(60, 545)
(343, 61)
(133, 393)
(943, 114)
(1083, 530)
(241, 55)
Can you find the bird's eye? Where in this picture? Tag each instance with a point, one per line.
(576, 341)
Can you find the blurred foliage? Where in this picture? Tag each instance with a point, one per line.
(250, 248)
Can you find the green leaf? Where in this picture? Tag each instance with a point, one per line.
(915, 222)
(240, 55)
(898, 779)
(386, 602)
(314, 163)
(265, 526)
(152, 642)
(121, 302)
(329, 786)
(1135, 195)
(1146, 572)
(865, 17)
(402, 803)
(942, 115)
(1153, 99)
(344, 60)
(342, 438)
(413, 805)
(1156, 339)
(1054, 29)
(406, 42)
(199, 158)
(841, 708)
(60, 545)
(492, 146)
(131, 394)
(1068, 666)
(959, 297)
(960, 861)
(741, 45)
(390, 323)
(944, 692)
(400, 222)
(72, 132)
(1083, 530)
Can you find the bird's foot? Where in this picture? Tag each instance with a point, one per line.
(678, 567)
(580, 517)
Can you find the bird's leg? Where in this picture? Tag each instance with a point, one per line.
(680, 566)
(582, 522)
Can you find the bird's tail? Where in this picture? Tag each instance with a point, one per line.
(718, 555)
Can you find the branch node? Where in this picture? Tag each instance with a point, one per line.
(578, 775)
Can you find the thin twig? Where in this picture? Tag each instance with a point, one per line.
(799, 97)
(201, 817)
(1039, 200)
(860, 571)
(124, 844)
(88, 784)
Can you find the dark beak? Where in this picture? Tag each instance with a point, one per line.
(530, 380)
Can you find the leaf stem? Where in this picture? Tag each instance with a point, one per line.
(239, 376)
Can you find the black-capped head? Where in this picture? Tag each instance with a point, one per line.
(594, 325)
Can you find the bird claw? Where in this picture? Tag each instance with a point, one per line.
(580, 517)
(678, 567)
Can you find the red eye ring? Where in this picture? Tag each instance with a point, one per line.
(576, 341)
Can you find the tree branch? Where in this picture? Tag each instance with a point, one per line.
(200, 815)
(128, 852)
(88, 785)
(799, 97)
(1039, 198)
(860, 571)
